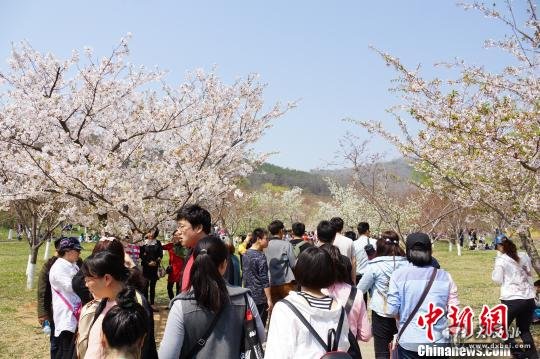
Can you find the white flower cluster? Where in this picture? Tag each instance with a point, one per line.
(103, 136)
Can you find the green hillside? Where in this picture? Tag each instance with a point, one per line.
(269, 173)
(313, 181)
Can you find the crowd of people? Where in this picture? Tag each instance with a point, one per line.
(292, 294)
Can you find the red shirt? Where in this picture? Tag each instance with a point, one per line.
(186, 276)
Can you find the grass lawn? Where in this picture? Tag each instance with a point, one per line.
(22, 337)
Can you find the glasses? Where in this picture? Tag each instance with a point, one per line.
(182, 228)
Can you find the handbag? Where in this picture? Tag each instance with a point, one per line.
(393, 346)
(75, 311)
(251, 347)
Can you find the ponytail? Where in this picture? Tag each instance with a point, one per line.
(208, 284)
(388, 245)
(126, 324)
(510, 249)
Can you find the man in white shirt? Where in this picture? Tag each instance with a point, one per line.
(360, 248)
(344, 244)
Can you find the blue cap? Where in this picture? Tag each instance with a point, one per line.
(500, 238)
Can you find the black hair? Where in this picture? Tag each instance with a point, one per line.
(196, 215)
(326, 232)
(57, 242)
(388, 245)
(350, 234)
(208, 284)
(275, 226)
(258, 233)
(419, 255)
(298, 229)
(314, 269)
(340, 266)
(337, 223)
(126, 323)
(106, 262)
(362, 228)
(114, 246)
(537, 283)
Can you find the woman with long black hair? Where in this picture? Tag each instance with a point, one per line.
(210, 312)
(513, 271)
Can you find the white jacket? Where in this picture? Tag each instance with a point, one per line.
(515, 278)
(289, 338)
(60, 276)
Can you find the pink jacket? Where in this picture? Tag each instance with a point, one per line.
(358, 316)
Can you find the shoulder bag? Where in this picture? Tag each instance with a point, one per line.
(393, 346)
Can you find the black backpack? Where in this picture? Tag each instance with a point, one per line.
(354, 350)
(333, 335)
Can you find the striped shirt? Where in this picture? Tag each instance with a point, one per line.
(321, 303)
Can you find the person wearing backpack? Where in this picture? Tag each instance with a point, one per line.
(208, 320)
(376, 279)
(281, 260)
(351, 299)
(298, 242)
(412, 289)
(308, 323)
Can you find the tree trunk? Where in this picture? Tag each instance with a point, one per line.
(458, 249)
(450, 245)
(528, 245)
(31, 268)
(47, 248)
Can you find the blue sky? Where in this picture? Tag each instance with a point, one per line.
(313, 51)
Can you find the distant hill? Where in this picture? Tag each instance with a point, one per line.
(269, 173)
(313, 181)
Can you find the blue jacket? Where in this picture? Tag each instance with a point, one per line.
(406, 287)
(376, 279)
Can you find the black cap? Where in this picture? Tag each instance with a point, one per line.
(418, 238)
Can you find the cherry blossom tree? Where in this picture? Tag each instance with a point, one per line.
(479, 142)
(117, 143)
(258, 208)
